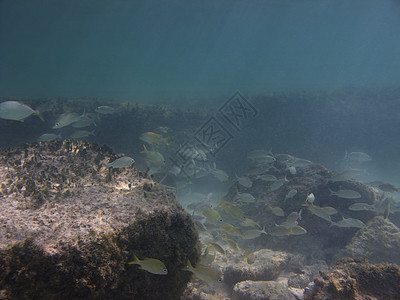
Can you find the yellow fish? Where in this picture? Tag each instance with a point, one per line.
(204, 273)
(153, 138)
(150, 265)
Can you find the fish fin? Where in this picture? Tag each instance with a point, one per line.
(36, 112)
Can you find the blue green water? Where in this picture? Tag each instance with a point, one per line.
(152, 51)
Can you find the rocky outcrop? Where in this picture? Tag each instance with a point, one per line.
(378, 242)
(261, 290)
(357, 280)
(267, 266)
(69, 226)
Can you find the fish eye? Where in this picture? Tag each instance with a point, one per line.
(220, 220)
(219, 279)
(165, 270)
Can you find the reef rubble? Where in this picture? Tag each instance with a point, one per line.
(69, 226)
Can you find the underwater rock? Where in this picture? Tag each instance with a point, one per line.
(378, 242)
(267, 266)
(357, 280)
(261, 290)
(69, 226)
(306, 274)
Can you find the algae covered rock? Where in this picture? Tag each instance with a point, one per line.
(69, 226)
(357, 280)
(268, 265)
(261, 290)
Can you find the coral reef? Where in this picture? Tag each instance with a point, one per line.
(69, 226)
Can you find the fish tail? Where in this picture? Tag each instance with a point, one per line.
(145, 149)
(134, 261)
(37, 112)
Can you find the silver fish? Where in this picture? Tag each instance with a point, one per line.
(253, 233)
(121, 162)
(14, 110)
(349, 222)
(277, 184)
(357, 157)
(244, 181)
(66, 119)
(105, 110)
(346, 194)
(361, 206)
(47, 137)
(81, 134)
(290, 194)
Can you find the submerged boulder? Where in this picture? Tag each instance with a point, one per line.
(378, 242)
(261, 290)
(267, 265)
(69, 226)
(357, 280)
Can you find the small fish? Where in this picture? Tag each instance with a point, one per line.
(231, 209)
(121, 162)
(83, 121)
(66, 119)
(153, 138)
(230, 230)
(14, 110)
(232, 243)
(47, 137)
(105, 110)
(300, 162)
(154, 157)
(349, 222)
(244, 181)
(387, 187)
(82, 134)
(277, 184)
(249, 257)
(319, 212)
(220, 175)
(217, 247)
(310, 198)
(359, 157)
(253, 233)
(267, 177)
(163, 129)
(346, 194)
(247, 222)
(212, 215)
(280, 230)
(265, 159)
(292, 218)
(346, 174)
(203, 273)
(150, 265)
(290, 194)
(207, 258)
(360, 206)
(329, 210)
(297, 230)
(245, 197)
(276, 210)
